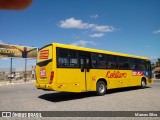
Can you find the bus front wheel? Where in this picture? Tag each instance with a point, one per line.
(143, 83)
(101, 88)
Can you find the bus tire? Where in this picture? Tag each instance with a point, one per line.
(101, 88)
(143, 83)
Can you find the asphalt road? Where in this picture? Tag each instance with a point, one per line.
(25, 97)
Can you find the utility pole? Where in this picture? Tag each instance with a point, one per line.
(11, 71)
(25, 79)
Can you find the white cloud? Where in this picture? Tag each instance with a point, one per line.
(83, 43)
(73, 23)
(156, 31)
(104, 28)
(97, 35)
(94, 16)
(79, 24)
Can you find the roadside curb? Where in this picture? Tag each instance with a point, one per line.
(17, 82)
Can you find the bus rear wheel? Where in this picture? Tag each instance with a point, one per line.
(101, 88)
(143, 83)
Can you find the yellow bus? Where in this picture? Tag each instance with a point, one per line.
(70, 68)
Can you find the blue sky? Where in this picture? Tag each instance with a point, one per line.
(127, 26)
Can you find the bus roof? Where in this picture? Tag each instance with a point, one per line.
(98, 51)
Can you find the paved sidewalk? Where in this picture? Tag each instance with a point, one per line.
(16, 82)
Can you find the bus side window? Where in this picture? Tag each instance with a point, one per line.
(132, 63)
(102, 62)
(119, 62)
(136, 64)
(126, 63)
(82, 61)
(142, 66)
(108, 61)
(95, 60)
(82, 66)
(63, 60)
(67, 58)
(148, 66)
(73, 58)
(98, 60)
(114, 62)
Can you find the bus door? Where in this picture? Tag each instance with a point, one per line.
(85, 63)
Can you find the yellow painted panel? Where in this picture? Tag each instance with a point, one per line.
(71, 76)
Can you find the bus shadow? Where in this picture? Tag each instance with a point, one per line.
(66, 96)
(126, 89)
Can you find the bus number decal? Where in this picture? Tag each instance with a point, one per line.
(137, 73)
(93, 78)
